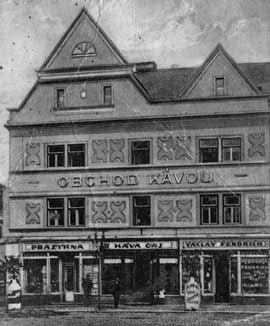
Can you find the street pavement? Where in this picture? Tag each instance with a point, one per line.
(157, 315)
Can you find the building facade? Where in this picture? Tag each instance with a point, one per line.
(122, 169)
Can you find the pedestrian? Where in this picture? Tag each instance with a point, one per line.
(116, 290)
(87, 285)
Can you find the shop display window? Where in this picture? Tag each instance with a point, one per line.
(54, 275)
(76, 155)
(208, 277)
(254, 275)
(169, 275)
(141, 210)
(110, 270)
(190, 266)
(35, 275)
(76, 211)
(233, 275)
(90, 266)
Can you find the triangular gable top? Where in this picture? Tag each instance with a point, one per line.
(84, 44)
(219, 49)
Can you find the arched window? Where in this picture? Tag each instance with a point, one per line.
(84, 49)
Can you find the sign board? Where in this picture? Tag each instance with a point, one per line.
(222, 244)
(57, 246)
(133, 245)
(192, 295)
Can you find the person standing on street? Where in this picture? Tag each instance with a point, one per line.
(116, 290)
(87, 285)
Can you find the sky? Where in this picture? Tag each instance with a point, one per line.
(173, 33)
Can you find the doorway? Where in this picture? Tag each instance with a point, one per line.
(222, 278)
(69, 276)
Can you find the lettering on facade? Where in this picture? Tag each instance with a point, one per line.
(164, 178)
(223, 244)
(56, 247)
(141, 245)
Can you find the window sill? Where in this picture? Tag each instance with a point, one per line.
(88, 108)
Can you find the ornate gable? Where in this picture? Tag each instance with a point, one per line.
(83, 45)
(218, 76)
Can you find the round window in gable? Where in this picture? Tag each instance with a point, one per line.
(84, 49)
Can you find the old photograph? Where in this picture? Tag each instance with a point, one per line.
(135, 162)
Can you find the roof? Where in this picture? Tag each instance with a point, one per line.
(167, 84)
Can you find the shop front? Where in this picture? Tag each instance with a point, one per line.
(139, 264)
(233, 270)
(53, 271)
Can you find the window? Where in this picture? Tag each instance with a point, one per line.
(140, 152)
(208, 150)
(209, 209)
(107, 95)
(55, 156)
(232, 209)
(76, 155)
(231, 149)
(141, 210)
(220, 149)
(60, 98)
(56, 212)
(76, 211)
(219, 86)
(70, 212)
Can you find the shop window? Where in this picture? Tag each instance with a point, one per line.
(208, 275)
(231, 149)
(107, 95)
(208, 150)
(140, 152)
(209, 209)
(91, 267)
(76, 155)
(220, 86)
(60, 98)
(141, 210)
(55, 156)
(254, 275)
(169, 275)
(110, 270)
(55, 211)
(35, 275)
(190, 267)
(54, 275)
(232, 209)
(76, 211)
(233, 275)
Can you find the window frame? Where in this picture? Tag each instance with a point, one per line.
(55, 208)
(130, 142)
(222, 147)
(111, 102)
(66, 158)
(216, 78)
(133, 208)
(83, 208)
(220, 139)
(232, 206)
(66, 216)
(64, 107)
(217, 209)
(47, 156)
(69, 153)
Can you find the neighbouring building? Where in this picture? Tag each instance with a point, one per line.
(123, 169)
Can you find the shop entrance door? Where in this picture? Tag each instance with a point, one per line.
(69, 277)
(222, 278)
(142, 270)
